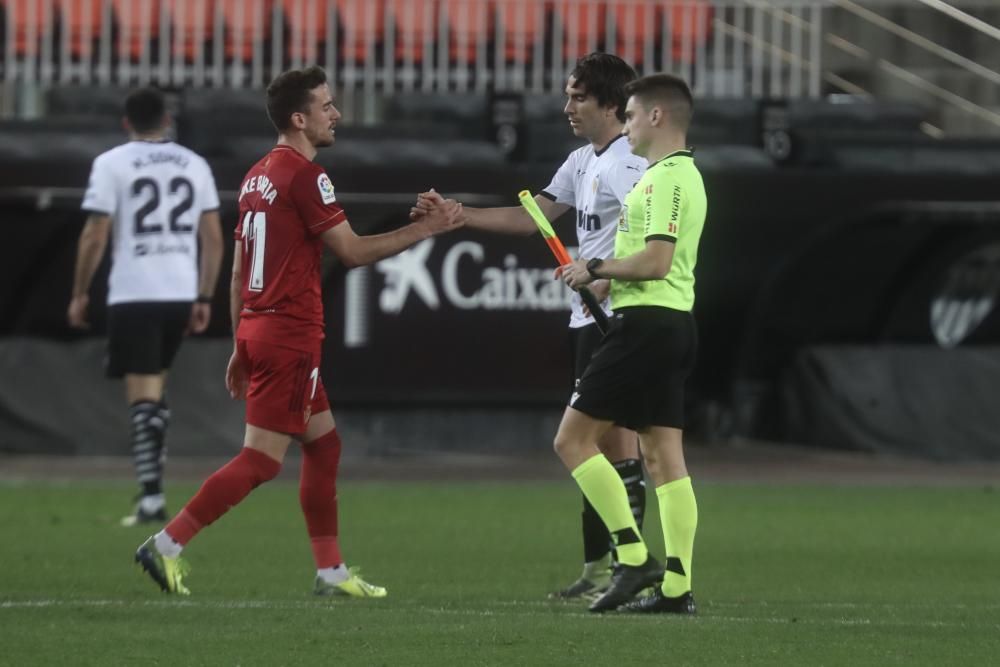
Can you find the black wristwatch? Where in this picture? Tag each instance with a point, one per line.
(203, 299)
(592, 267)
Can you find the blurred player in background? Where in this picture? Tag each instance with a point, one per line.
(637, 374)
(594, 180)
(156, 200)
(288, 212)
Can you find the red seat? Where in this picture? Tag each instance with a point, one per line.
(637, 25)
(306, 24)
(583, 23)
(240, 17)
(691, 17)
(470, 23)
(522, 22)
(361, 24)
(193, 22)
(80, 27)
(32, 21)
(415, 24)
(133, 18)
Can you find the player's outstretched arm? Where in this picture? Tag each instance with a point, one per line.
(501, 219)
(89, 252)
(353, 250)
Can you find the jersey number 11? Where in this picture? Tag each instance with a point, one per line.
(254, 238)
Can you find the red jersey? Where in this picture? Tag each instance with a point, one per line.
(286, 202)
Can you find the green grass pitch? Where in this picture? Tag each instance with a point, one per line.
(784, 575)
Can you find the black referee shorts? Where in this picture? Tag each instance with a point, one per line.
(584, 340)
(636, 376)
(144, 336)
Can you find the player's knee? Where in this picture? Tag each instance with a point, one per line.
(652, 462)
(266, 474)
(563, 445)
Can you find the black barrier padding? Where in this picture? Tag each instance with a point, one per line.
(103, 101)
(38, 268)
(873, 279)
(900, 400)
(759, 221)
(73, 139)
(467, 111)
(61, 403)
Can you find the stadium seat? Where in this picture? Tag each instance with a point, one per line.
(415, 24)
(192, 24)
(31, 21)
(520, 20)
(131, 19)
(691, 17)
(80, 26)
(469, 25)
(582, 24)
(637, 24)
(360, 26)
(305, 28)
(239, 17)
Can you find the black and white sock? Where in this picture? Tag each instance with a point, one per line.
(146, 434)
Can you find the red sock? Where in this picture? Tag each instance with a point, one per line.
(224, 489)
(318, 497)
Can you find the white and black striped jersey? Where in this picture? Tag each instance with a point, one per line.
(155, 192)
(595, 183)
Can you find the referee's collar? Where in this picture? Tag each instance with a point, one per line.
(607, 145)
(688, 152)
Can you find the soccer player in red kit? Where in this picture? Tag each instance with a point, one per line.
(288, 213)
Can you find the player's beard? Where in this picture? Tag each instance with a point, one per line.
(321, 139)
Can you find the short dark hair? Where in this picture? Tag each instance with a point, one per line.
(145, 109)
(291, 92)
(604, 76)
(667, 90)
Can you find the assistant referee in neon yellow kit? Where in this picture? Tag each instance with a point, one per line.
(636, 376)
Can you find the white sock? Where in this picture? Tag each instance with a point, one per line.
(334, 575)
(166, 545)
(150, 504)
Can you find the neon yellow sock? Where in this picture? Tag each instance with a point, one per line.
(603, 487)
(679, 518)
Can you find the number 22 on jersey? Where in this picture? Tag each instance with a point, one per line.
(254, 239)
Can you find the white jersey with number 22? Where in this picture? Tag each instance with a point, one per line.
(155, 192)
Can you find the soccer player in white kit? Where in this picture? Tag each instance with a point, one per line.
(156, 201)
(594, 180)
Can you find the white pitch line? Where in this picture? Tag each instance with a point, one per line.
(512, 606)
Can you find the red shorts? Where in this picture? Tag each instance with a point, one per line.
(285, 389)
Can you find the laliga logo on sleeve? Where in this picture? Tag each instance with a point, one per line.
(967, 297)
(326, 189)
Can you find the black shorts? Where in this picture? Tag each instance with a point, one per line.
(583, 342)
(636, 376)
(144, 336)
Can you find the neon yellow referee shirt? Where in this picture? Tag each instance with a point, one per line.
(667, 204)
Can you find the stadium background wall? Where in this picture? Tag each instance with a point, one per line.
(469, 331)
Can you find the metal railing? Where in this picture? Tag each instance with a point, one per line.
(989, 118)
(372, 47)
